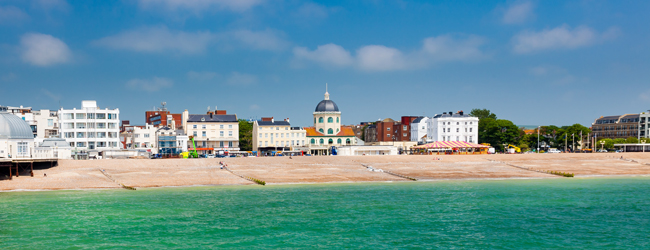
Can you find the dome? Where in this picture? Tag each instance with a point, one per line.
(13, 127)
(327, 106)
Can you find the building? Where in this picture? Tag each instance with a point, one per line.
(16, 137)
(161, 117)
(618, 126)
(43, 123)
(419, 129)
(213, 132)
(171, 142)
(143, 137)
(90, 128)
(390, 130)
(53, 148)
(327, 131)
(644, 125)
(271, 135)
(453, 127)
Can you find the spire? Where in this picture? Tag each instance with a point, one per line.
(327, 95)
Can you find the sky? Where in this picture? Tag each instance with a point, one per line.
(532, 62)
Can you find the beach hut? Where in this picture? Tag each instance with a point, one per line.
(451, 147)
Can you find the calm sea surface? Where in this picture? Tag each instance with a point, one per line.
(510, 214)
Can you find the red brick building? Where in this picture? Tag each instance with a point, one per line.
(391, 130)
(159, 118)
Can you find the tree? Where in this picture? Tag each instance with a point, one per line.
(609, 143)
(482, 114)
(498, 132)
(245, 135)
(631, 140)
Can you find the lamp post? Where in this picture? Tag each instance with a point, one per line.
(602, 146)
(504, 148)
(573, 143)
(538, 138)
(643, 145)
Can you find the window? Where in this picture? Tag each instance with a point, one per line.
(50, 122)
(330, 141)
(292, 142)
(221, 133)
(229, 133)
(320, 120)
(203, 126)
(448, 129)
(321, 141)
(194, 126)
(286, 128)
(457, 138)
(230, 126)
(330, 120)
(347, 141)
(91, 145)
(266, 144)
(404, 134)
(68, 116)
(457, 123)
(112, 116)
(221, 126)
(90, 116)
(230, 144)
(81, 135)
(281, 135)
(81, 144)
(101, 116)
(23, 149)
(69, 134)
(337, 120)
(91, 125)
(101, 144)
(470, 129)
(194, 133)
(338, 141)
(145, 135)
(80, 116)
(470, 139)
(303, 142)
(112, 125)
(313, 141)
(321, 130)
(260, 135)
(314, 120)
(101, 134)
(404, 128)
(330, 131)
(221, 144)
(101, 125)
(81, 125)
(387, 129)
(465, 129)
(68, 125)
(266, 135)
(203, 133)
(457, 130)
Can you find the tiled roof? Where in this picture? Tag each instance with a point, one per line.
(273, 123)
(214, 118)
(345, 131)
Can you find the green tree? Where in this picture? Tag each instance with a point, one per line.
(498, 132)
(609, 143)
(482, 114)
(245, 135)
(631, 140)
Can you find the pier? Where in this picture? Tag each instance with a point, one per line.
(16, 165)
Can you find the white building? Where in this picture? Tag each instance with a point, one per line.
(16, 137)
(43, 123)
(453, 127)
(419, 129)
(53, 148)
(272, 135)
(90, 128)
(327, 131)
(644, 125)
(212, 132)
(144, 137)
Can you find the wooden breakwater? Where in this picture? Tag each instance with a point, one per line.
(113, 179)
(558, 173)
(389, 172)
(248, 178)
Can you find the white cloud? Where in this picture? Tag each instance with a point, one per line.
(328, 54)
(312, 10)
(518, 12)
(449, 48)
(11, 14)
(43, 50)
(381, 58)
(49, 5)
(150, 85)
(241, 79)
(444, 48)
(157, 39)
(259, 40)
(198, 6)
(201, 76)
(562, 37)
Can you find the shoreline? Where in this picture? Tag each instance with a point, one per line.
(145, 173)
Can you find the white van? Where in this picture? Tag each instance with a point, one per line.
(554, 150)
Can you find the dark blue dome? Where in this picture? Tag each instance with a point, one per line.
(327, 106)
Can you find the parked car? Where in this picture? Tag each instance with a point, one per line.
(554, 151)
(602, 151)
(209, 156)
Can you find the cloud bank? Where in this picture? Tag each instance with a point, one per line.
(444, 48)
(150, 85)
(43, 50)
(562, 37)
(198, 6)
(518, 13)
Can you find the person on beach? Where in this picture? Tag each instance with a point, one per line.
(44, 175)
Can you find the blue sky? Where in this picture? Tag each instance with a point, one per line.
(532, 62)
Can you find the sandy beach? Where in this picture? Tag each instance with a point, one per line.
(139, 173)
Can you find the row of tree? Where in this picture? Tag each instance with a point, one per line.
(498, 132)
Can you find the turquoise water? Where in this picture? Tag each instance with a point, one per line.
(510, 214)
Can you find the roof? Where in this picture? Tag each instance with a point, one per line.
(13, 127)
(55, 142)
(451, 144)
(417, 120)
(446, 115)
(214, 118)
(327, 106)
(345, 131)
(273, 123)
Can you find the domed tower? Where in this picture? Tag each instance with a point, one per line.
(327, 117)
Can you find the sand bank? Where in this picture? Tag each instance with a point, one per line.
(71, 174)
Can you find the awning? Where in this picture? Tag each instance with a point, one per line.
(451, 144)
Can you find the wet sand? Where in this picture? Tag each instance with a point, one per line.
(139, 173)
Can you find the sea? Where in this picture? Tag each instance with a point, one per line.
(582, 213)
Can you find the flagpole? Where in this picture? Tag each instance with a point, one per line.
(565, 142)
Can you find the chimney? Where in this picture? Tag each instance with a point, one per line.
(444, 113)
(272, 120)
(460, 112)
(451, 113)
(211, 115)
(286, 120)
